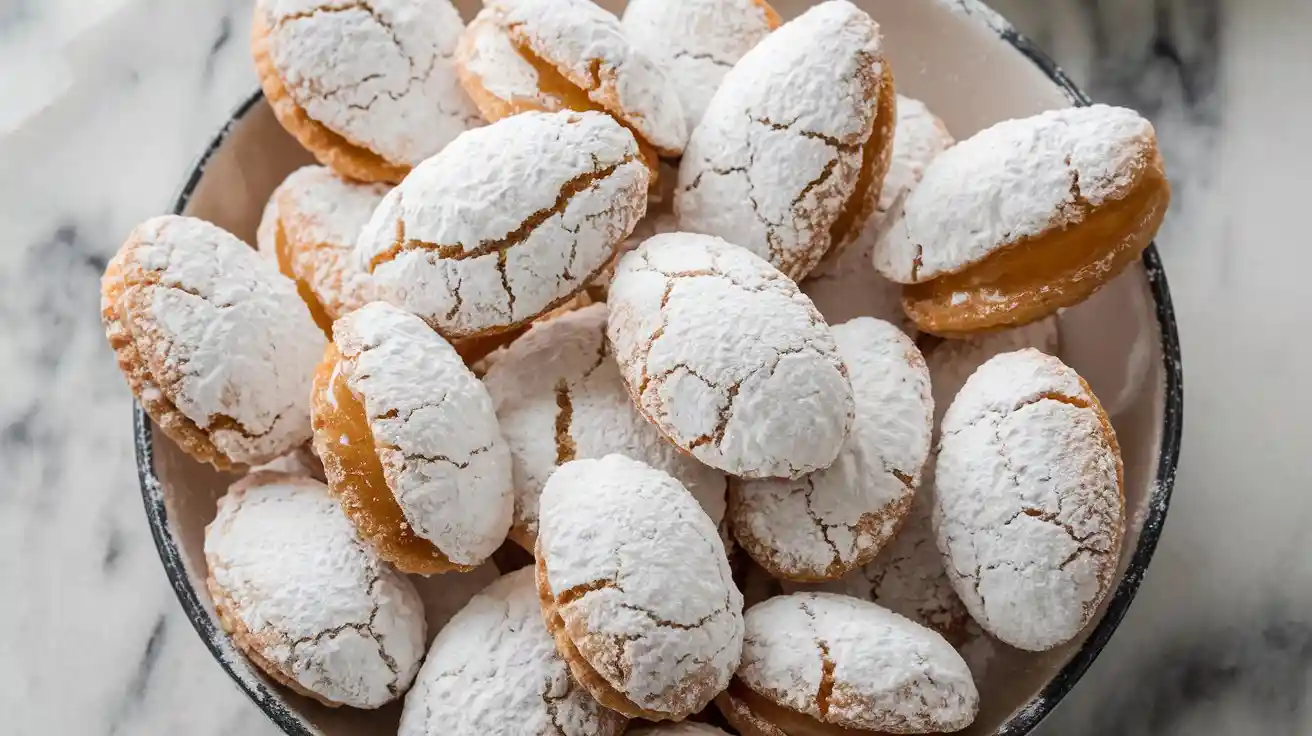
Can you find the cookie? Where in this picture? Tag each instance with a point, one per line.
(951, 362)
(559, 397)
(697, 41)
(819, 662)
(214, 342)
(789, 159)
(1029, 507)
(824, 524)
(305, 600)
(1026, 217)
(368, 87)
(727, 358)
(508, 222)
(846, 285)
(494, 669)
(410, 443)
(636, 589)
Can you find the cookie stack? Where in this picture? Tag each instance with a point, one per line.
(832, 372)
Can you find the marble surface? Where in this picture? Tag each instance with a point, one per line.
(103, 105)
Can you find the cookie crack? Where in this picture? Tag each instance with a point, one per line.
(412, 456)
(226, 423)
(565, 447)
(685, 54)
(665, 623)
(577, 592)
(815, 135)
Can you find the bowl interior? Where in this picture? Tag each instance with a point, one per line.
(956, 56)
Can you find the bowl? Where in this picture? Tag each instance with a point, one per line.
(973, 69)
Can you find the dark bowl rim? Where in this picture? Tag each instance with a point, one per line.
(1023, 721)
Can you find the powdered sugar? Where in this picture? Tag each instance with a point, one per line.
(1010, 182)
(1029, 509)
(488, 59)
(728, 359)
(951, 362)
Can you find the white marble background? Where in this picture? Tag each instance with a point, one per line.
(104, 103)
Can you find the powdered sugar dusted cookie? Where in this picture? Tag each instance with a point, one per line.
(369, 86)
(1029, 511)
(636, 589)
(410, 443)
(951, 362)
(790, 156)
(215, 343)
(727, 358)
(697, 41)
(494, 669)
(559, 397)
(507, 222)
(815, 661)
(310, 604)
(820, 526)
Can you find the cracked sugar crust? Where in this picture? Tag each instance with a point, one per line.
(686, 728)
(588, 46)
(727, 358)
(824, 524)
(851, 663)
(1011, 182)
(778, 157)
(559, 397)
(951, 362)
(697, 41)
(214, 342)
(434, 429)
(508, 222)
(378, 73)
(634, 576)
(1029, 507)
(305, 599)
(494, 669)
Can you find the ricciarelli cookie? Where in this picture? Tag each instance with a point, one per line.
(1026, 217)
(789, 159)
(308, 602)
(727, 358)
(494, 669)
(825, 663)
(508, 222)
(215, 343)
(636, 589)
(559, 397)
(410, 443)
(368, 87)
(824, 524)
(1029, 508)
(951, 362)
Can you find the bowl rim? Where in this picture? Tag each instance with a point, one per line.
(1023, 721)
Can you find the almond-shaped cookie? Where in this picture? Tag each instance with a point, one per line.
(309, 603)
(508, 222)
(1029, 506)
(215, 343)
(727, 358)
(1026, 217)
(824, 524)
(410, 443)
(636, 588)
(559, 397)
(368, 87)
(819, 662)
(790, 157)
(494, 669)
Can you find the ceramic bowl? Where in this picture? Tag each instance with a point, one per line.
(971, 68)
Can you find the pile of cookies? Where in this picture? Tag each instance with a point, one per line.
(830, 368)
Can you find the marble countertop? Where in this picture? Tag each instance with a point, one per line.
(105, 104)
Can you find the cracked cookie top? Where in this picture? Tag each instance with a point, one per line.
(306, 599)
(632, 572)
(1012, 182)
(727, 358)
(951, 362)
(215, 343)
(850, 663)
(790, 152)
(507, 222)
(559, 397)
(494, 669)
(697, 41)
(1029, 510)
(822, 525)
